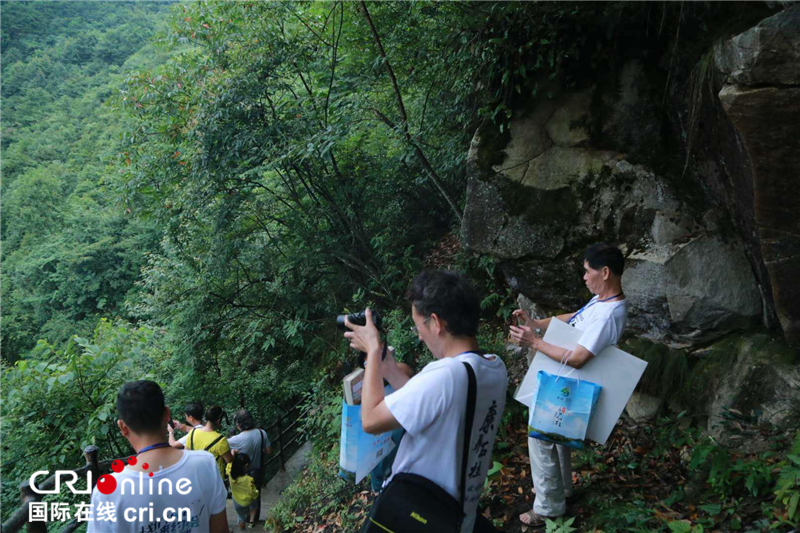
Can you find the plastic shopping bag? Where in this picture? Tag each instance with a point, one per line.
(561, 409)
(359, 451)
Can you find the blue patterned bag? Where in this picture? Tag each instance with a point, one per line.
(359, 451)
(561, 409)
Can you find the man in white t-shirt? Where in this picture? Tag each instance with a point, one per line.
(159, 489)
(431, 406)
(194, 419)
(602, 321)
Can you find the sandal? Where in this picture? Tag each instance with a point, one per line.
(531, 519)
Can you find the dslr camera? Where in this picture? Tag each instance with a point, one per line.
(360, 319)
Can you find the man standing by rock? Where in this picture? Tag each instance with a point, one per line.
(602, 321)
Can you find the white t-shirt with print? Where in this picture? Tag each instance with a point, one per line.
(602, 324)
(431, 407)
(204, 496)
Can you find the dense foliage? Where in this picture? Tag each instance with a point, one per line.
(70, 251)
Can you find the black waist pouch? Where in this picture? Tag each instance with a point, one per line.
(414, 503)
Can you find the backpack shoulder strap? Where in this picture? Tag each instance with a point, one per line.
(470, 415)
(191, 439)
(207, 448)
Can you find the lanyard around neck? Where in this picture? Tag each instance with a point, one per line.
(153, 447)
(588, 305)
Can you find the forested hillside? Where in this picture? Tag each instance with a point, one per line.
(71, 251)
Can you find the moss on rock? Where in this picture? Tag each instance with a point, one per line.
(491, 145)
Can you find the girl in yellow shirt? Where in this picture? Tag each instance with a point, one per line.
(243, 489)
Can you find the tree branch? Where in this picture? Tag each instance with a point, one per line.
(404, 118)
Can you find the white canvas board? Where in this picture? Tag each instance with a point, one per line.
(616, 371)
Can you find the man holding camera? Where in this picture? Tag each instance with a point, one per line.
(194, 419)
(430, 407)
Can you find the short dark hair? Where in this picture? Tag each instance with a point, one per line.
(450, 296)
(602, 254)
(195, 410)
(140, 405)
(244, 420)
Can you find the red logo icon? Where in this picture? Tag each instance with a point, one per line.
(108, 483)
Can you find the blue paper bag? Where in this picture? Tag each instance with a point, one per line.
(360, 452)
(561, 409)
(348, 445)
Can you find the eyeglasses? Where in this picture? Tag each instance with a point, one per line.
(415, 329)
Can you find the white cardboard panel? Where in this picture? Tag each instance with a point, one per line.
(616, 371)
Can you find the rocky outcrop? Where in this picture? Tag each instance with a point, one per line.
(642, 407)
(761, 96)
(704, 287)
(749, 387)
(553, 191)
(691, 164)
(711, 235)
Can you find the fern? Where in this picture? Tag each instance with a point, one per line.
(788, 485)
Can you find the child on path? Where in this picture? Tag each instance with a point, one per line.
(243, 489)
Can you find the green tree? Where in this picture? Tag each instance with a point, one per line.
(281, 191)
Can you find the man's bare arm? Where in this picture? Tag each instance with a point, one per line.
(397, 374)
(375, 416)
(525, 336)
(543, 323)
(579, 356)
(218, 523)
(172, 442)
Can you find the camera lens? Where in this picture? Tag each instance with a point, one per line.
(359, 319)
